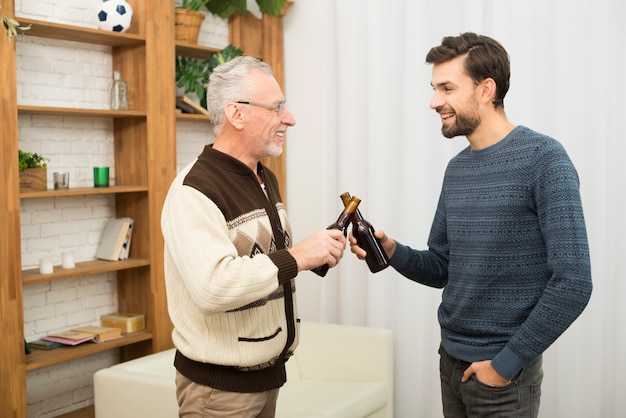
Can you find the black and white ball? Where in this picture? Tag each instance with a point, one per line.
(115, 15)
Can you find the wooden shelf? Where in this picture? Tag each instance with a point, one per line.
(192, 117)
(194, 50)
(84, 268)
(86, 412)
(83, 191)
(64, 32)
(144, 140)
(91, 113)
(42, 358)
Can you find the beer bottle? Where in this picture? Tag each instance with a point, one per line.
(376, 257)
(340, 224)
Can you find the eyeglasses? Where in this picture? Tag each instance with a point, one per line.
(277, 107)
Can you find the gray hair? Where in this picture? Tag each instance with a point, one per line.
(228, 83)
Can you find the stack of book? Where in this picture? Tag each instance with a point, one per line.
(116, 239)
(75, 336)
(100, 334)
(44, 344)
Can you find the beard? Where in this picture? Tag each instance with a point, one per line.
(272, 149)
(466, 124)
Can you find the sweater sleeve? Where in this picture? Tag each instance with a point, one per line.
(555, 187)
(287, 265)
(200, 253)
(428, 267)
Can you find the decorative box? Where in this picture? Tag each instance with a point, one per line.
(127, 322)
(33, 180)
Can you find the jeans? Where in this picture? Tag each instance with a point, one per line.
(473, 399)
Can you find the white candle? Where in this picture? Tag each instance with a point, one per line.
(67, 260)
(45, 265)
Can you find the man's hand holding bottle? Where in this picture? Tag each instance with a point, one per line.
(388, 245)
(323, 247)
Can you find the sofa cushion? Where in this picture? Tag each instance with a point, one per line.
(323, 398)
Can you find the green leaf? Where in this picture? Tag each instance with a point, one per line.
(31, 160)
(12, 26)
(271, 7)
(192, 75)
(225, 8)
(195, 5)
(223, 56)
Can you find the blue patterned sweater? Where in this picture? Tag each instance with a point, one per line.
(509, 247)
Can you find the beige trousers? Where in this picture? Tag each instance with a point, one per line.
(199, 401)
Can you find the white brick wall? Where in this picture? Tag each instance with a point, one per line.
(71, 74)
(191, 137)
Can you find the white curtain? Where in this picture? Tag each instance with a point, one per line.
(358, 86)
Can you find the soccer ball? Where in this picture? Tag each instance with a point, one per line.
(115, 15)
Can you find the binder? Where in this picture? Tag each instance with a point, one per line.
(113, 236)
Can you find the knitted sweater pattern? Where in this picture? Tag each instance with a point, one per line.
(228, 274)
(509, 247)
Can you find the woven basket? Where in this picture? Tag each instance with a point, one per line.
(33, 180)
(187, 25)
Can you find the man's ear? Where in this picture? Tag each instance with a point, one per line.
(487, 91)
(234, 115)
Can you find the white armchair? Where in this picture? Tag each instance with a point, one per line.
(338, 371)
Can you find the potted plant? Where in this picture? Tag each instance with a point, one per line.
(225, 8)
(188, 19)
(195, 5)
(192, 75)
(33, 171)
(12, 25)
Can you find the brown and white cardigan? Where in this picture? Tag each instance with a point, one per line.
(229, 277)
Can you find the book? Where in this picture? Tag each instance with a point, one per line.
(196, 107)
(44, 345)
(127, 322)
(112, 240)
(101, 334)
(69, 337)
(125, 251)
(184, 107)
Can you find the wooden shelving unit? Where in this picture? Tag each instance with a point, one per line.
(83, 191)
(192, 117)
(144, 141)
(78, 34)
(88, 113)
(144, 169)
(195, 51)
(43, 358)
(85, 268)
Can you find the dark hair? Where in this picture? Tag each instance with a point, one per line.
(485, 58)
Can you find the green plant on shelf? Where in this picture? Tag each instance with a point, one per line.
(31, 160)
(195, 5)
(12, 25)
(225, 8)
(192, 75)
